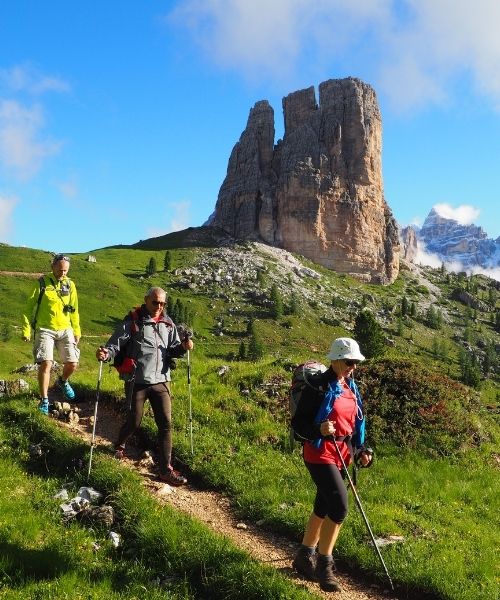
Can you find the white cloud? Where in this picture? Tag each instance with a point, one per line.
(22, 147)
(413, 51)
(492, 273)
(464, 214)
(265, 39)
(461, 35)
(69, 189)
(26, 78)
(179, 215)
(233, 34)
(427, 258)
(434, 45)
(7, 205)
(22, 150)
(433, 260)
(420, 86)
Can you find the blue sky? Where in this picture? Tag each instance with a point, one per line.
(117, 118)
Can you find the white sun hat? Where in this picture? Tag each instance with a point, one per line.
(345, 348)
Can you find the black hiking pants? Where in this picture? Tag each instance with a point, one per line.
(158, 395)
(331, 492)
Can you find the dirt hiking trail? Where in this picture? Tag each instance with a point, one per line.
(213, 509)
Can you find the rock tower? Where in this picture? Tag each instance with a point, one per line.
(319, 191)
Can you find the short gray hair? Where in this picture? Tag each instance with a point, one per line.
(155, 290)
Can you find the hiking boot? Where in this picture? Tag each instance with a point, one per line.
(67, 390)
(325, 568)
(305, 563)
(172, 477)
(120, 452)
(43, 406)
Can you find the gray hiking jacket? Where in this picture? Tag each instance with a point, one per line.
(151, 344)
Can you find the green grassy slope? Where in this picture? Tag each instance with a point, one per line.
(436, 484)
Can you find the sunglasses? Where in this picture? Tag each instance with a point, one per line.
(350, 363)
(59, 257)
(157, 302)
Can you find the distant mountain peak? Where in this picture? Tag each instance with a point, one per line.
(453, 242)
(449, 227)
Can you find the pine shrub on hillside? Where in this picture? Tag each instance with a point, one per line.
(413, 407)
(151, 267)
(167, 261)
(255, 348)
(369, 334)
(276, 303)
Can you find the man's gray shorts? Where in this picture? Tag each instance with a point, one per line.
(64, 341)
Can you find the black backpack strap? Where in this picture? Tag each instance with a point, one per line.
(136, 328)
(41, 282)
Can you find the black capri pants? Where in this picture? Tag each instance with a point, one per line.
(331, 492)
(161, 403)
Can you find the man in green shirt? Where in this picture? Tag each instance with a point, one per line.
(52, 314)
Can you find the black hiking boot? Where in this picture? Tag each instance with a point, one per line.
(325, 568)
(305, 563)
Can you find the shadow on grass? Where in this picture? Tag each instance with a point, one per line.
(111, 321)
(20, 564)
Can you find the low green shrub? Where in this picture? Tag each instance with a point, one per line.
(409, 405)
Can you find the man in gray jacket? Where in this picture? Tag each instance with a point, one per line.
(150, 340)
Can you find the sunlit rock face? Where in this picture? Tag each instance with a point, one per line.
(409, 243)
(319, 191)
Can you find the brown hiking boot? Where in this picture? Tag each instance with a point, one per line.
(172, 477)
(119, 452)
(305, 563)
(325, 568)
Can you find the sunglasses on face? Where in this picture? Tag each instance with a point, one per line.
(158, 302)
(350, 363)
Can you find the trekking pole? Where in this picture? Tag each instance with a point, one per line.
(185, 334)
(92, 443)
(358, 502)
(190, 402)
